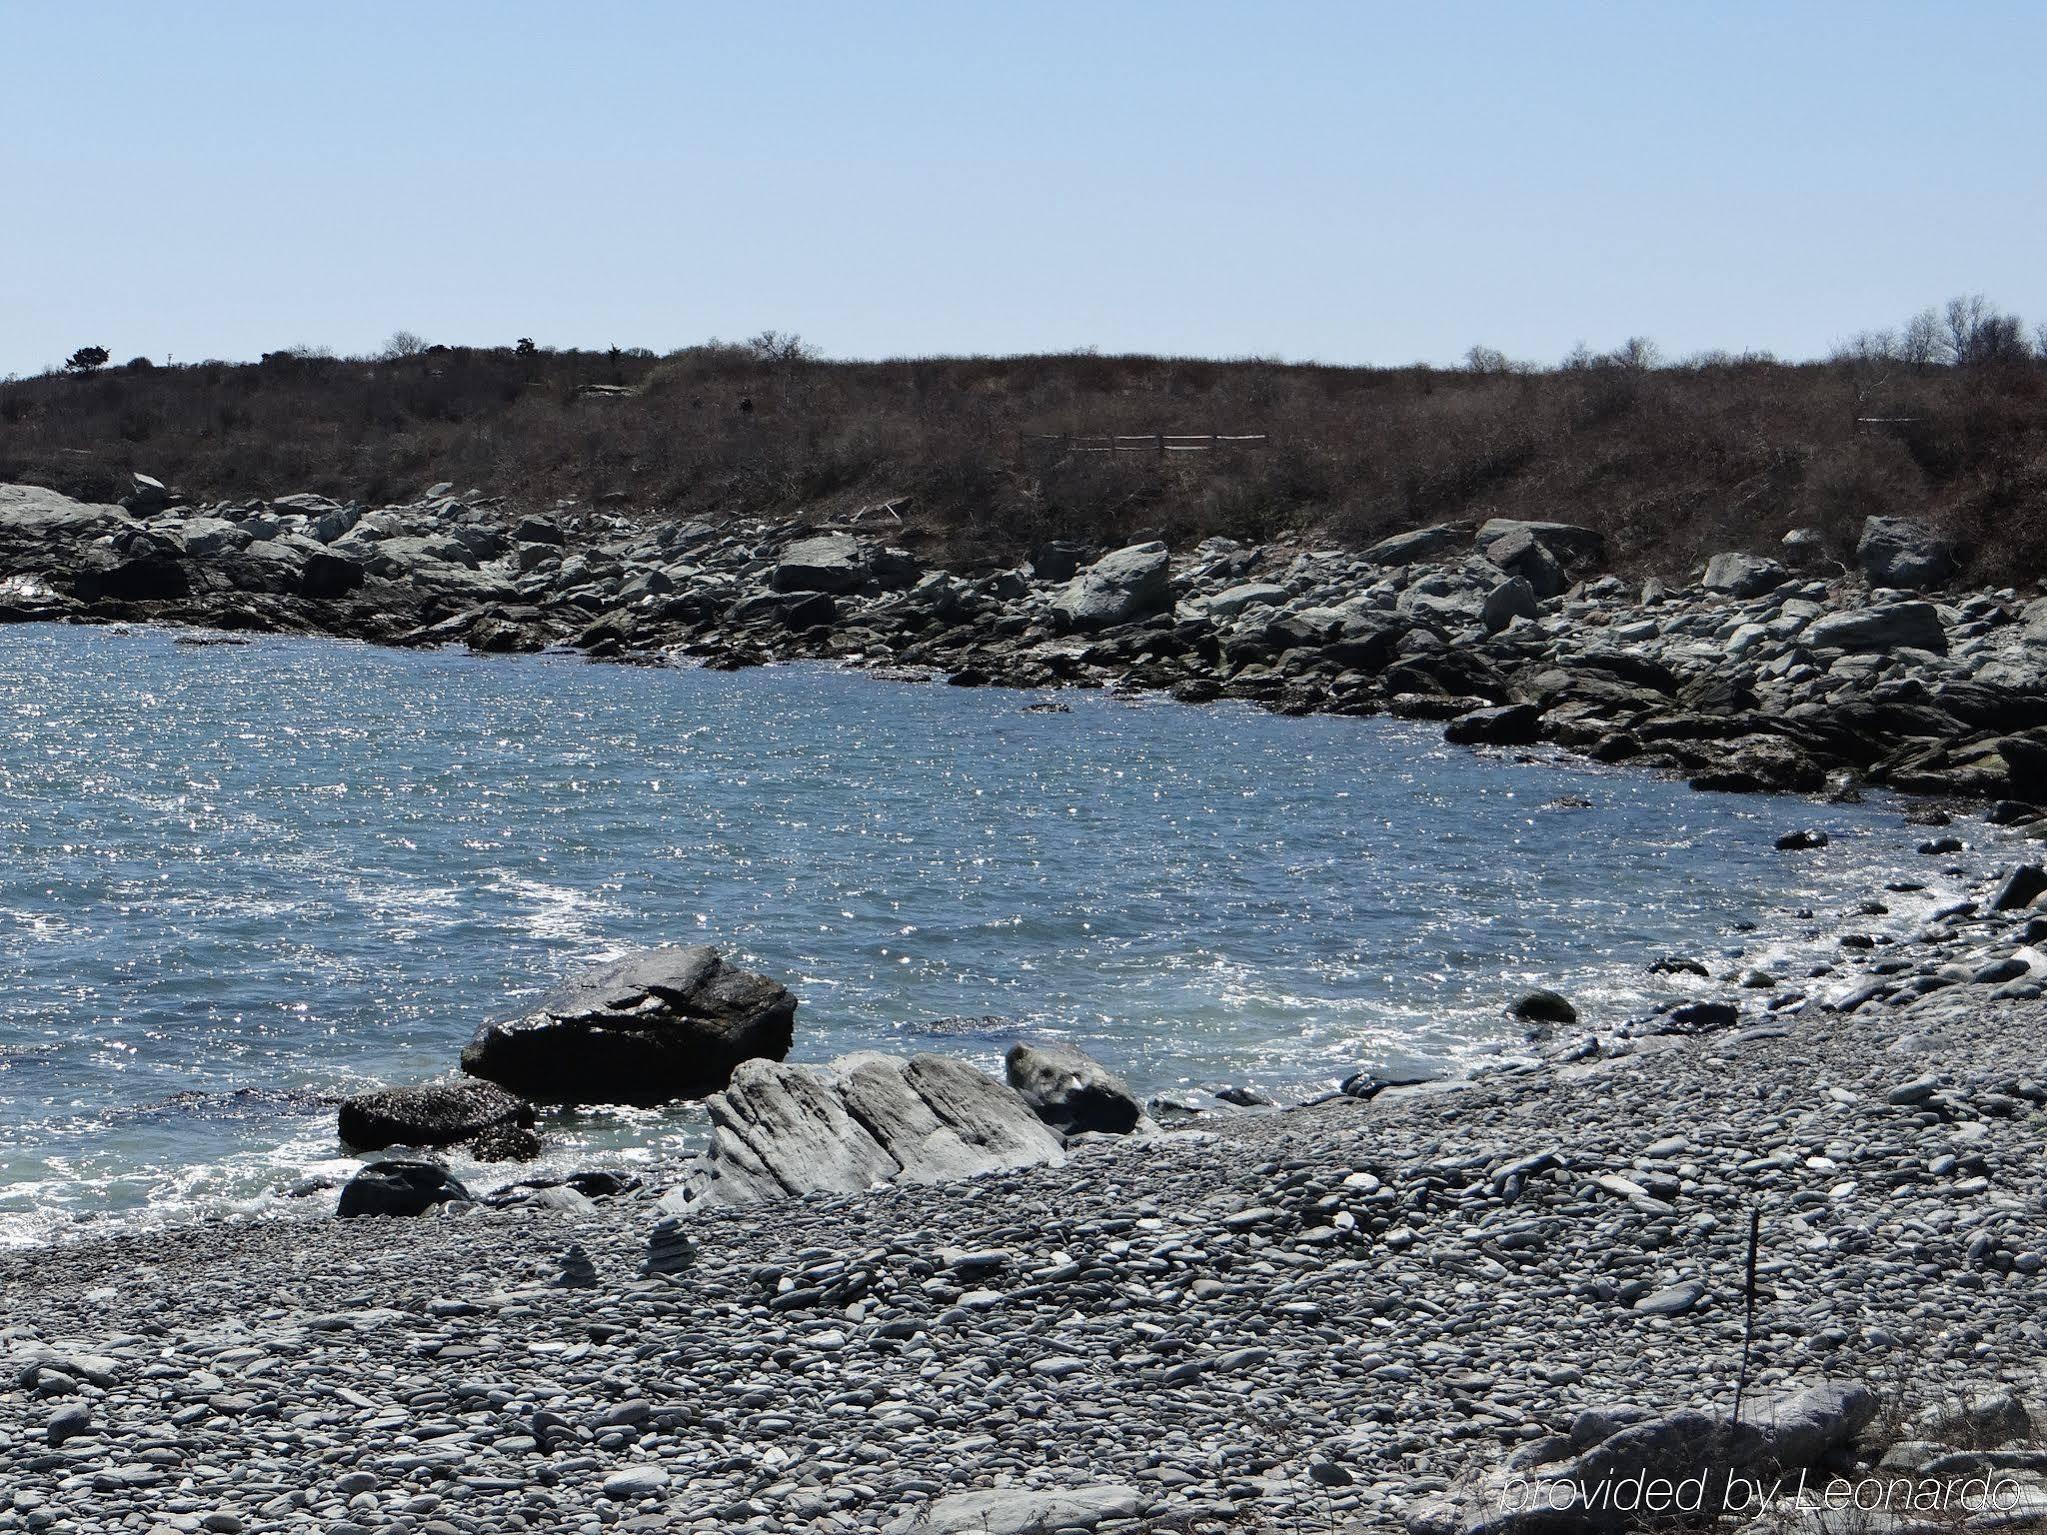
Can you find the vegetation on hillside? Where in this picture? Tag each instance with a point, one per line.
(985, 456)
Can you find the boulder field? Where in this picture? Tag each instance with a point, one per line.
(1771, 670)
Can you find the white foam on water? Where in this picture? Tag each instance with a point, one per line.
(1199, 896)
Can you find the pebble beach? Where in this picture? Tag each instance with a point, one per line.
(1323, 1317)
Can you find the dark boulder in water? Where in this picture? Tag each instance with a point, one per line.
(1506, 725)
(669, 1023)
(1368, 1085)
(507, 1143)
(436, 1114)
(1071, 1090)
(398, 1188)
(2021, 887)
(1700, 1017)
(1545, 1006)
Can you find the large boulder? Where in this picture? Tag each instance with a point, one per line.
(1777, 1434)
(780, 1130)
(1233, 600)
(412, 557)
(1545, 1006)
(1057, 561)
(1524, 556)
(2033, 622)
(793, 610)
(33, 515)
(275, 566)
(208, 538)
(24, 597)
(1513, 598)
(435, 1114)
(1072, 1091)
(1118, 588)
(1411, 548)
(399, 1188)
(146, 574)
(1903, 552)
(831, 562)
(1021, 1511)
(668, 1023)
(1885, 627)
(326, 574)
(1744, 575)
(1570, 543)
(1505, 725)
(146, 495)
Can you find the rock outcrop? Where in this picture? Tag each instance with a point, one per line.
(865, 1119)
(669, 1023)
(1767, 675)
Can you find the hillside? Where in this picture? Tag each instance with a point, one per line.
(985, 456)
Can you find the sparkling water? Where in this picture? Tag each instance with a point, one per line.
(244, 879)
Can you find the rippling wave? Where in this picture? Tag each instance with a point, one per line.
(245, 880)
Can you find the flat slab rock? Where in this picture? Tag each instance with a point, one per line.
(1014, 1511)
(1787, 1430)
(864, 1119)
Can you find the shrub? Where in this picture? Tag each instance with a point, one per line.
(1672, 462)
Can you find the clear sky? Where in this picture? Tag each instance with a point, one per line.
(1351, 182)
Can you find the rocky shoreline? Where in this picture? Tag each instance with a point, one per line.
(1348, 1315)
(1365, 1313)
(1778, 672)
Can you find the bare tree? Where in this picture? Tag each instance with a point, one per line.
(1488, 360)
(403, 343)
(1920, 347)
(1977, 334)
(2001, 341)
(1963, 317)
(1637, 354)
(1870, 346)
(781, 347)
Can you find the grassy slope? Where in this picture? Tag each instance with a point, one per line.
(1674, 463)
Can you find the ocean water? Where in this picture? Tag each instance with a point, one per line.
(240, 880)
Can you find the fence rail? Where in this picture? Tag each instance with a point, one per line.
(1146, 442)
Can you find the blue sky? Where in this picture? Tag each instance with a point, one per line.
(1348, 182)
